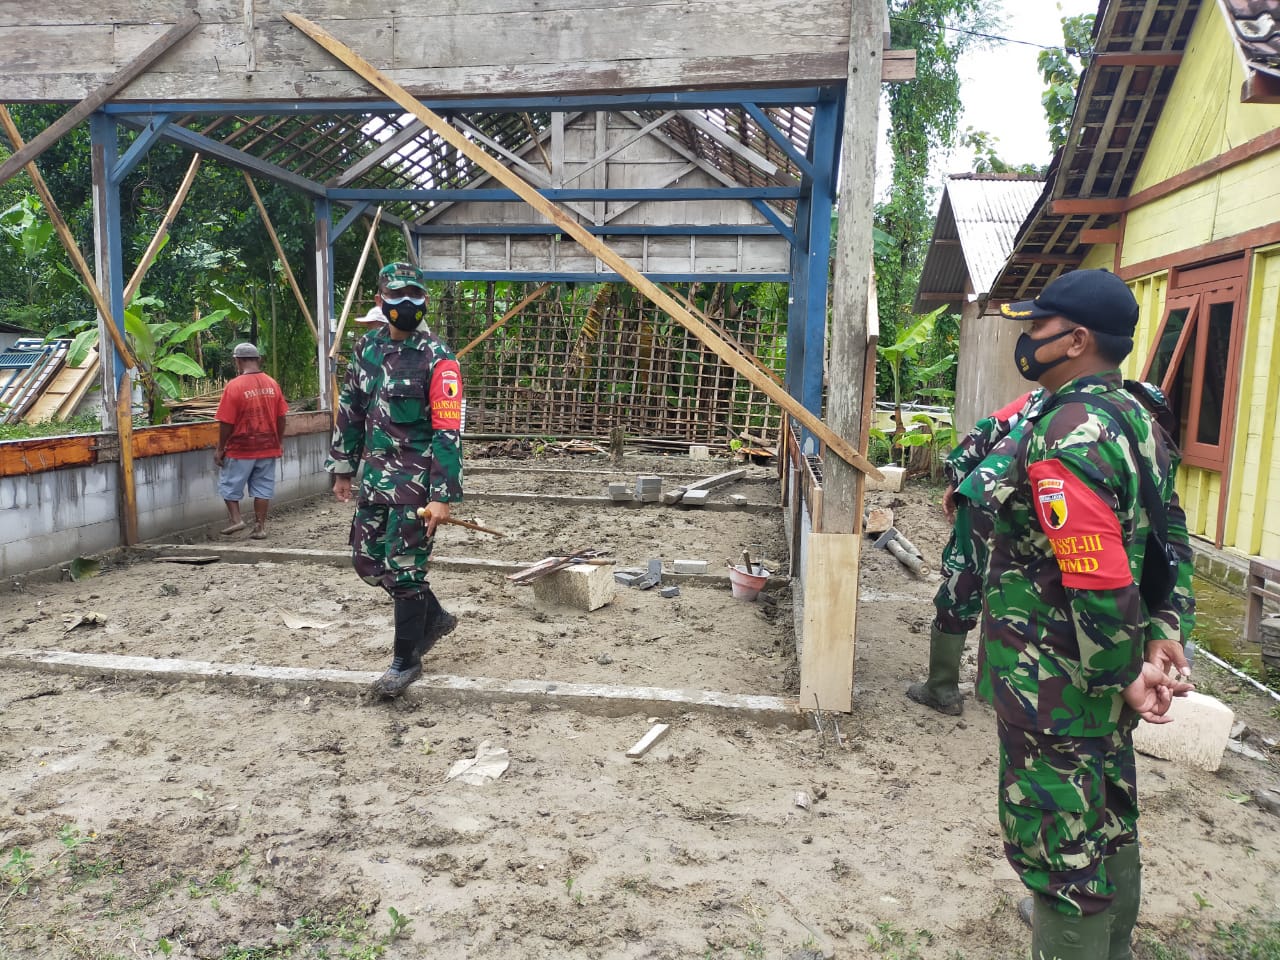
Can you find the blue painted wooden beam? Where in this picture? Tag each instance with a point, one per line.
(103, 139)
(502, 195)
(352, 216)
(145, 140)
(779, 224)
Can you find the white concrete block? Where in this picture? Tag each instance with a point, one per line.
(695, 498)
(892, 482)
(583, 586)
(691, 566)
(699, 451)
(1197, 736)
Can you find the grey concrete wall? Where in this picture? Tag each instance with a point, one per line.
(52, 517)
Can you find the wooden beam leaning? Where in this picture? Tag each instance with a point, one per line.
(69, 242)
(355, 284)
(128, 485)
(585, 239)
(284, 261)
(163, 231)
(513, 312)
(60, 127)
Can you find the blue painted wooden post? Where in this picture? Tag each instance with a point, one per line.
(107, 242)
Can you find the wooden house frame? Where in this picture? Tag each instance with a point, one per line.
(771, 109)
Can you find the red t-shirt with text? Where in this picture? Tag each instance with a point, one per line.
(252, 403)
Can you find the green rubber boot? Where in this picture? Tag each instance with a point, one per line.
(942, 690)
(1124, 869)
(1057, 936)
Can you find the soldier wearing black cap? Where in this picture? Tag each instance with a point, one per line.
(1075, 648)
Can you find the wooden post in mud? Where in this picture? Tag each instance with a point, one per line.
(831, 588)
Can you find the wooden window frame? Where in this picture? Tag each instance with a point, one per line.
(1198, 289)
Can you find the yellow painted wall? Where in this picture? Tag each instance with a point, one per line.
(1253, 508)
(1202, 118)
(1252, 524)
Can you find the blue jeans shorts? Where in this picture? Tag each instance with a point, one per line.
(259, 475)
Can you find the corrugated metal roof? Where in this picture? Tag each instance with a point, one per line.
(977, 225)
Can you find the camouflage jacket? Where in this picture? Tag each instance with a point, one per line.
(987, 433)
(1064, 626)
(400, 413)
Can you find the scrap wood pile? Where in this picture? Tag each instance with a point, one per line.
(520, 449)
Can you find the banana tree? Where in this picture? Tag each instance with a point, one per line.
(158, 346)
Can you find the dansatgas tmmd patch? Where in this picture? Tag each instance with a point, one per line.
(1053, 503)
(1083, 531)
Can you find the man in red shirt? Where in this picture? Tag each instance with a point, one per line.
(251, 427)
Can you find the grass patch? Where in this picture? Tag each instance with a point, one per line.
(85, 423)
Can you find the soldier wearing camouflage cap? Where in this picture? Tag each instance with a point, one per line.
(1071, 654)
(399, 416)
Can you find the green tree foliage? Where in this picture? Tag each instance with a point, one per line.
(1061, 68)
(985, 158)
(923, 114)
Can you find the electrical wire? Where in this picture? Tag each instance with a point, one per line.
(986, 36)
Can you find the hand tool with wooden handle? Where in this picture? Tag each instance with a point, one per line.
(422, 515)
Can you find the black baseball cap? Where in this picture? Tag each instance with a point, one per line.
(1096, 299)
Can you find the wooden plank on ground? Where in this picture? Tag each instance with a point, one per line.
(643, 745)
(830, 609)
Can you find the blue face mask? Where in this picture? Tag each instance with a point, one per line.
(404, 313)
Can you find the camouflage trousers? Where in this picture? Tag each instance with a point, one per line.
(390, 548)
(1067, 803)
(964, 565)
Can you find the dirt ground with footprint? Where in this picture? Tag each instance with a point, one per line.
(143, 818)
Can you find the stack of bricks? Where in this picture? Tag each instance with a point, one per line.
(648, 489)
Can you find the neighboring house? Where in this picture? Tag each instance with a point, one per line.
(1171, 178)
(972, 237)
(11, 334)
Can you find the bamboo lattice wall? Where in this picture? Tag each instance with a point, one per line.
(578, 363)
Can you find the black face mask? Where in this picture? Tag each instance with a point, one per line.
(1024, 355)
(404, 314)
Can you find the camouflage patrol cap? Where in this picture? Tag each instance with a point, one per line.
(395, 276)
(1096, 299)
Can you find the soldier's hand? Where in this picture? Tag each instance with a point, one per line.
(342, 487)
(1152, 694)
(434, 514)
(1168, 653)
(949, 503)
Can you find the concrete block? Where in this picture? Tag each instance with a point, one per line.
(692, 566)
(737, 499)
(892, 482)
(670, 592)
(1197, 736)
(626, 578)
(655, 568)
(619, 491)
(583, 586)
(695, 498)
(699, 451)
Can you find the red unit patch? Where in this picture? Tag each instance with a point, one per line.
(1083, 531)
(446, 396)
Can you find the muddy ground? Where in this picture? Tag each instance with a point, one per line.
(213, 822)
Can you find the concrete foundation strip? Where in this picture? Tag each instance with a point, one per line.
(593, 698)
(342, 558)
(541, 498)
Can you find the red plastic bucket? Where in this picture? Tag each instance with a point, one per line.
(746, 586)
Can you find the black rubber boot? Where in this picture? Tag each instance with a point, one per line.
(406, 665)
(1124, 869)
(942, 690)
(1058, 936)
(439, 623)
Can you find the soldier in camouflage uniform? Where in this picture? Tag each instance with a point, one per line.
(958, 601)
(400, 415)
(1065, 627)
